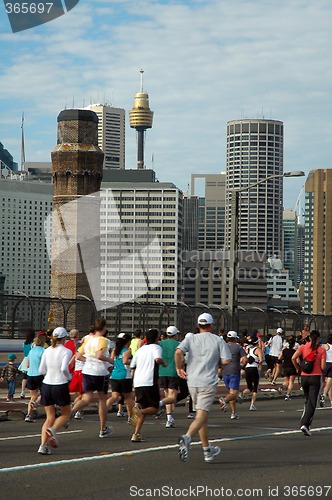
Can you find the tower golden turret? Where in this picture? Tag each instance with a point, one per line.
(140, 118)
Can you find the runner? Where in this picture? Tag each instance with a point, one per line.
(204, 352)
(327, 373)
(289, 370)
(231, 374)
(54, 391)
(145, 365)
(121, 378)
(27, 345)
(275, 350)
(34, 378)
(311, 382)
(94, 351)
(252, 370)
(137, 341)
(168, 377)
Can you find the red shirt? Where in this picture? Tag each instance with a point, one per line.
(307, 352)
(71, 345)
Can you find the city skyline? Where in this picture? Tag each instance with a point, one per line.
(256, 59)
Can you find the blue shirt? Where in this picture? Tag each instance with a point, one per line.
(26, 349)
(34, 358)
(120, 371)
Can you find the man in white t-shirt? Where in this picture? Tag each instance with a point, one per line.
(145, 364)
(204, 352)
(275, 344)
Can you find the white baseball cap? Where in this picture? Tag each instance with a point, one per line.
(60, 332)
(280, 330)
(123, 335)
(205, 319)
(232, 335)
(172, 330)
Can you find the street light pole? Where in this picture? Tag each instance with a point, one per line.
(233, 279)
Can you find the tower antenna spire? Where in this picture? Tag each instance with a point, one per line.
(22, 143)
(141, 118)
(142, 73)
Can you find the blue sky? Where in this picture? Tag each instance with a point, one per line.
(205, 62)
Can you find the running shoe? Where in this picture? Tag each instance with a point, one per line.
(305, 430)
(252, 408)
(52, 437)
(191, 415)
(34, 405)
(136, 413)
(129, 421)
(120, 413)
(44, 450)
(287, 397)
(223, 405)
(170, 423)
(211, 453)
(161, 411)
(184, 445)
(22, 395)
(106, 432)
(29, 418)
(267, 376)
(137, 438)
(240, 398)
(235, 416)
(273, 382)
(322, 400)
(9, 398)
(280, 389)
(78, 415)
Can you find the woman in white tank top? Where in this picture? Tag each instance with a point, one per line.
(252, 370)
(327, 375)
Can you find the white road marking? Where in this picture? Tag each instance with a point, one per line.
(25, 436)
(325, 408)
(148, 450)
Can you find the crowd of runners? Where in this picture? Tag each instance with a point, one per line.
(147, 374)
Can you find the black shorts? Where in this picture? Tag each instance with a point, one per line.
(97, 383)
(55, 395)
(148, 397)
(289, 372)
(328, 371)
(274, 360)
(169, 382)
(252, 378)
(269, 361)
(34, 383)
(123, 386)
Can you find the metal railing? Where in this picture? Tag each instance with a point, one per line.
(19, 313)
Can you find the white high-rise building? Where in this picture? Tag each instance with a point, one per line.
(254, 152)
(111, 134)
(141, 232)
(24, 260)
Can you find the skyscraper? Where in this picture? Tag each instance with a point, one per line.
(318, 242)
(254, 152)
(111, 134)
(211, 211)
(140, 250)
(290, 254)
(25, 263)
